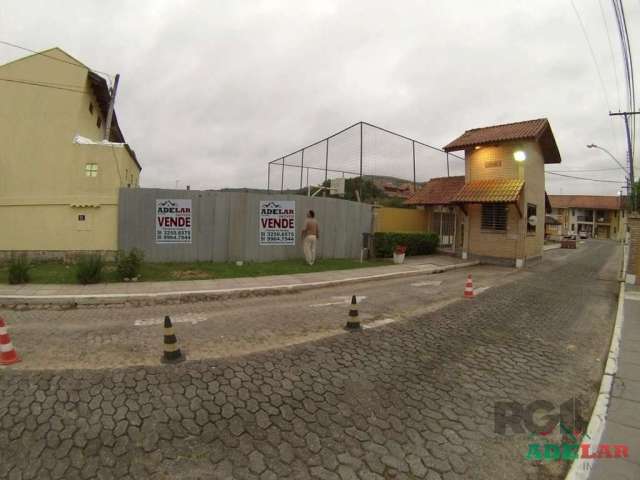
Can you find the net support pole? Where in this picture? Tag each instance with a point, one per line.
(448, 175)
(326, 161)
(282, 177)
(413, 150)
(301, 168)
(361, 179)
(269, 178)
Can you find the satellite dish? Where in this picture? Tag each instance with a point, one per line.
(533, 220)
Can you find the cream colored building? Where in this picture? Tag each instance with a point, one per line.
(58, 191)
(589, 216)
(496, 212)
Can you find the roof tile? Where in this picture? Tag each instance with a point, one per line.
(601, 202)
(437, 191)
(488, 191)
(499, 133)
(538, 130)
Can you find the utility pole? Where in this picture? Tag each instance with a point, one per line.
(631, 178)
(107, 130)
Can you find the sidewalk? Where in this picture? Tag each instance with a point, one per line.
(146, 293)
(623, 416)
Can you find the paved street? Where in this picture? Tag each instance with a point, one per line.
(411, 399)
(120, 337)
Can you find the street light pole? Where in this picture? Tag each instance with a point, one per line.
(626, 174)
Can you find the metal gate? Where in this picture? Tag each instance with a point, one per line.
(443, 222)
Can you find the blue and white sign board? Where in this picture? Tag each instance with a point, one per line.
(173, 221)
(277, 222)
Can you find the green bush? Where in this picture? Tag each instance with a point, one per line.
(89, 269)
(19, 270)
(416, 243)
(129, 264)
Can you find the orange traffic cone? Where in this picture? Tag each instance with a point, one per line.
(468, 288)
(8, 354)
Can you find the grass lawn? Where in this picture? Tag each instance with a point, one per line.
(56, 272)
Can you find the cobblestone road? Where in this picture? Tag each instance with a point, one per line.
(410, 400)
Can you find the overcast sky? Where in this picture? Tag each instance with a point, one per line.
(211, 91)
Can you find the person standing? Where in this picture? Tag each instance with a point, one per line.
(310, 236)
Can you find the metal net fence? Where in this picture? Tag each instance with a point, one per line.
(362, 150)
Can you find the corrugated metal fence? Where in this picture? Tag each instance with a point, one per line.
(225, 226)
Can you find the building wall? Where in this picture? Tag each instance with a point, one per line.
(56, 228)
(633, 265)
(401, 220)
(496, 162)
(44, 171)
(489, 243)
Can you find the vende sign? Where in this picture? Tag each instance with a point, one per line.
(173, 221)
(277, 222)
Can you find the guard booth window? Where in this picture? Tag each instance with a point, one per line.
(494, 216)
(531, 212)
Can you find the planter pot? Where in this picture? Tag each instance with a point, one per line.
(398, 258)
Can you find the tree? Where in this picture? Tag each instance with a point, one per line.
(634, 197)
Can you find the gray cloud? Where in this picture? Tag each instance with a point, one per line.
(210, 91)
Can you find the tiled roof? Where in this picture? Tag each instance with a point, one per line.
(538, 130)
(599, 202)
(487, 191)
(437, 191)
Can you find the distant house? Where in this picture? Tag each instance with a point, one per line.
(592, 216)
(395, 188)
(59, 183)
(496, 211)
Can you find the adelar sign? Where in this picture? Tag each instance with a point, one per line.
(173, 221)
(277, 222)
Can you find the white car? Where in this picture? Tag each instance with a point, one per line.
(583, 234)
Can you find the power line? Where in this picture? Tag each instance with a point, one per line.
(606, 27)
(47, 82)
(43, 85)
(584, 178)
(585, 171)
(54, 58)
(614, 136)
(593, 55)
(628, 66)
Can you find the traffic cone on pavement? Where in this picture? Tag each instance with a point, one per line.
(172, 353)
(468, 288)
(354, 322)
(8, 354)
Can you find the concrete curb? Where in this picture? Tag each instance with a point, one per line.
(581, 468)
(24, 302)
